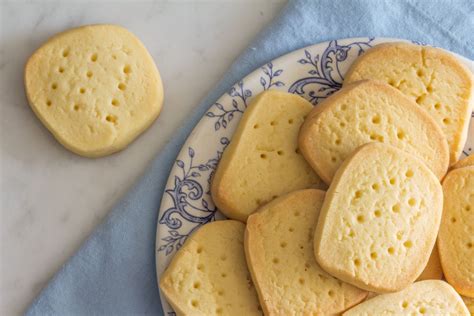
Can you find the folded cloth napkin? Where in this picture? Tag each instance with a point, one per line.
(114, 271)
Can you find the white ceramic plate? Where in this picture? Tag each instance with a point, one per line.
(313, 72)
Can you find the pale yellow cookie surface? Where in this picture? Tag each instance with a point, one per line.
(96, 88)
(370, 111)
(263, 160)
(431, 77)
(379, 221)
(209, 275)
(465, 162)
(279, 251)
(431, 297)
(433, 270)
(456, 234)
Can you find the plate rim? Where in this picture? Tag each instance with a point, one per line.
(256, 71)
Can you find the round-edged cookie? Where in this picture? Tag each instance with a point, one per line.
(465, 162)
(370, 111)
(262, 160)
(279, 252)
(95, 88)
(430, 297)
(379, 220)
(434, 79)
(456, 234)
(209, 275)
(433, 270)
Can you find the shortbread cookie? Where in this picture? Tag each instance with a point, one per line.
(469, 301)
(379, 220)
(465, 162)
(96, 88)
(433, 270)
(431, 77)
(209, 275)
(431, 297)
(456, 234)
(279, 251)
(370, 111)
(263, 160)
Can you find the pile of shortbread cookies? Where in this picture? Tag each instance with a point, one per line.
(393, 230)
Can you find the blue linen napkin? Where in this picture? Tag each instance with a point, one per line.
(114, 271)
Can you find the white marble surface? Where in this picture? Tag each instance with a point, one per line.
(51, 199)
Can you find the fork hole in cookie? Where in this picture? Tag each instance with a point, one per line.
(342, 124)
(77, 107)
(469, 245)
(219, 310)
(297, 151)
(392, 181)
(344, 107)
(111, 118)
(373, 255)
(377, 213)
(263, 156)
(333, 159)
(405, 304)
(446, 121)
(351, 234)
(437, 106)
(409, 173)
(360, 218)
(220, 293)
(223, 257)
(376, 119)
(301, 281)
(408, 244)
(453, 220)
(291, 229)
(420, 73)
(54, 86)
(391, 250)
(199, 250)
(82, 90)
(122, 86)
(375, 186)
(283, 244)
(290, 121)
(396, 208)
(411, 202)
(127, 69)
(94, 57)
(197, 285)
(358, 194)
(224, 275)
(280, 153)
(401, 135)
(89, 74)
(48, 102)
(429, 89)
(255, 126)
(297, 213)
(422, 310)
(61, 70)
(357, 262)
(65, 52)
(273, 123)
(200, 267)
(337, 142)
(115, 102)
(467, 208)
(276, 260)
(194, 303)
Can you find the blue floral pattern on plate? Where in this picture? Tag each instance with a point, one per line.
(314, 73)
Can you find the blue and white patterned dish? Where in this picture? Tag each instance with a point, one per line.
(314, 72)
